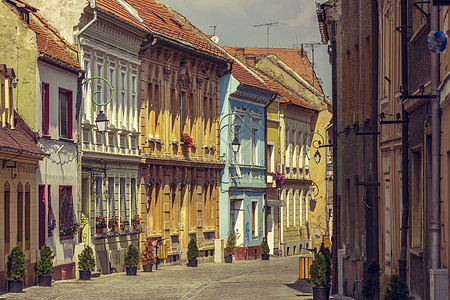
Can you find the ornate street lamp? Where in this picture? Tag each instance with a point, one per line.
(102, 122)
(235, 145)
(317, 156)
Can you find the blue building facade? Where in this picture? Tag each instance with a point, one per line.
(243, 102)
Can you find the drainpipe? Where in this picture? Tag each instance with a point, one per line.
(335, 238)
(265, 179)
(433, 223)
(80, 32)
(402, 261)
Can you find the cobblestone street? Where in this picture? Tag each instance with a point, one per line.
(255, 279)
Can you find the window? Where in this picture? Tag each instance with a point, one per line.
(111, 140)
(238, 156)
(111, 198)
(65, 114)
(123, 97)
(45, 109)
(287, 158)
(27, 216)
(6, 213)
(133, 197)
(19, 212)
(112, 104)
(98, 196)
(123, 204)
(254, 218)
(271, 159)
(254, 146)
(50, 215)
(66, 211)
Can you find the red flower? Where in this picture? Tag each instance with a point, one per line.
(186, 139)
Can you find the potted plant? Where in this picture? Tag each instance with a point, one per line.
(113, 223)
(186, 140)
(279, 179)
(192, 253)
(16, 270)
(135, 221)
(265, 250)
(397, 289)
(371, 285)
(230, 247)
(148, 255)
(43, 267)
(86, 263)
(321, 273)
(124, 223)
(100, 223)
(132, 258)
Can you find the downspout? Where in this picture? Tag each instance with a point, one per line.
(280, 228)
(335, 238)
(434, 222)
(402, 262)
(265, 142)
(82, 30)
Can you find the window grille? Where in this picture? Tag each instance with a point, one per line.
(67, 222)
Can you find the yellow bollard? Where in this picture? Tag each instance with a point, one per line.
(304, 264)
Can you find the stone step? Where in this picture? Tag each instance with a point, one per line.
(95, 274)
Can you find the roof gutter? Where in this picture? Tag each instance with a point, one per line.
(82, 30)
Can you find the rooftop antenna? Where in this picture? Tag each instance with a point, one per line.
(214, 26)
(268, 28)
(312, 45)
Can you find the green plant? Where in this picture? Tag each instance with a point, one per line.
(135, 220)
(231, 244)
(371, 285)
(327, 254)
(132, 256)
(397, 289)
(16, 264)
(113, 222)
(148, 255)
(86, 260)
(264, 246)
(192, 250)
(44, 265)
(319, 272)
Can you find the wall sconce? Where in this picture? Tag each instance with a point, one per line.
(317, 157)
(13, 82)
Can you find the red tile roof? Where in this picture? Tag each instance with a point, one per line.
(156, 18)
(19, 140)
(52, 47)
(296, 59)
(244, 76)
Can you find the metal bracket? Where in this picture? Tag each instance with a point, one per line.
(415, 4)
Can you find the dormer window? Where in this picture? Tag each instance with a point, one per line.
(24, 14)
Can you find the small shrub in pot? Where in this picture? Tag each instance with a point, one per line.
(192, 253)
(132, 258)
(86, 263)
(43, 267)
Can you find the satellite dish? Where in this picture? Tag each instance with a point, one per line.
(215, 39)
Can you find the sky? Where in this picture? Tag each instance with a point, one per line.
(236, 19)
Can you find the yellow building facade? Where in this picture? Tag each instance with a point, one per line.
(179, 178)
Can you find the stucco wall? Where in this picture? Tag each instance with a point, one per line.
(19, 51)
(61, 14)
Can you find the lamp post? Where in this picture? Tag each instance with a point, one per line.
(317, 155)
(101, 120)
